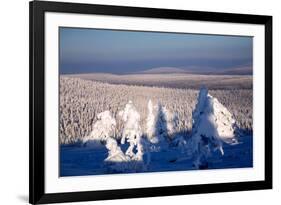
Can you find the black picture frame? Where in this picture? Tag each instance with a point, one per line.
(37, 10)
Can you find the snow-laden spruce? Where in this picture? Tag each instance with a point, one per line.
(164, 122)
(118, 162)
(115, 153)
(150, 123)
(131, 131)
(161, 123)
(213, 124)
(103, 131)
(103, 128)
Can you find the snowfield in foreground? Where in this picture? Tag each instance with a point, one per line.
(78, 161)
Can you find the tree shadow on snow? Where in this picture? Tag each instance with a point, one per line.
(75, 161)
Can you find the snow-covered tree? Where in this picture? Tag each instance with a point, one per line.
(103, 131)
(165, 123)
(119, 162)
(131, 130)
(171, 121)
(150, 123)
(212, 124)
(103, 128)
(133, 135)
(161, 123)
(225, 123)
(115, 154)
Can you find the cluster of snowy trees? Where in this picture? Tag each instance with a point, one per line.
(103, 131)
(81, 102)
(212, 125)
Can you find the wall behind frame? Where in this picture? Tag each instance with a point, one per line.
(14, 42)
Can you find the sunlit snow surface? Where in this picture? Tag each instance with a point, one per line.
(77, 160)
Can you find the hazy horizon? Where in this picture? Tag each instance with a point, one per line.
(120, 52)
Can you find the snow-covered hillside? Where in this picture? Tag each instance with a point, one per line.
(81, 101)
(212, 143)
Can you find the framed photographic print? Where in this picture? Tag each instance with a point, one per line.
(141, 102)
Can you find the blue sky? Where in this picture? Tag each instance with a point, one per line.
(114, 51)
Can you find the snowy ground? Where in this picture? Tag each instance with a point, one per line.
(77, 160)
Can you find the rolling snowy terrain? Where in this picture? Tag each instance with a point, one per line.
(172, 80)
(107, 128)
